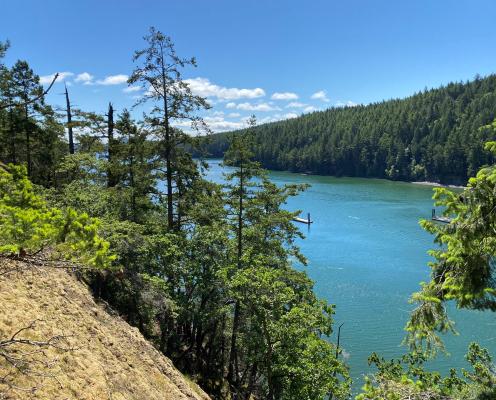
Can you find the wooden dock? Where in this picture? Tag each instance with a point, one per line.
(444, 220)
(307, 221)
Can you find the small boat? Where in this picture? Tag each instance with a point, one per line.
(444, 220)
(307, 221)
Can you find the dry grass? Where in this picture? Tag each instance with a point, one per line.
(98, 355)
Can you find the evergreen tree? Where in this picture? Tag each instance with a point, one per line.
(269, 296)
(25, 86)
(463, 270)
(160, 76)
(433, 135)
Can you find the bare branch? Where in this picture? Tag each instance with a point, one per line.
(27, 358)
(44, 93)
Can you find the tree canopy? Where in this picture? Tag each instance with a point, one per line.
(433, 135)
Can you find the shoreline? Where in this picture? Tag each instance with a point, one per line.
(429, 183)
(310, 173)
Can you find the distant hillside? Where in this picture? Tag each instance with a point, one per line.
(108, 359)
(433, 135)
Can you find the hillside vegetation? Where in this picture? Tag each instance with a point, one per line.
(206, 271)
(203, 270)
(433, 135)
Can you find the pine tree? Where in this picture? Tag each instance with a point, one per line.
(160, 76)
(26, 85)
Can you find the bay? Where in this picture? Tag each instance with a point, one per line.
(367, 254)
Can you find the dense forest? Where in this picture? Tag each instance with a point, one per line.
(433, 135)
(201, 269)
(205, 270)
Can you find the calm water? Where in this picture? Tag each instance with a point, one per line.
(367, 254)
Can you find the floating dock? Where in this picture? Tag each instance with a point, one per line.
(307, 221)
(444, 220)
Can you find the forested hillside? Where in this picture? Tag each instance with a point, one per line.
(206, 271)
(433, 135)
(203, 270)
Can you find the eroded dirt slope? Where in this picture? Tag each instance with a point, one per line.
(90, 354)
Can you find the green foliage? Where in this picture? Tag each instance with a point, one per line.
(29, 130)
(463, 270)
(433, 135)
(173, 99)
(278, 346)
(281, 334)
(407, 378)
(204, 270)
(28, 225)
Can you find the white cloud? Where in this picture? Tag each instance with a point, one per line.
(84, 77)
(306, 107)
(113, 80)
(296, 104)
(47, 79)
(215, 123)
(131, 89)
(220, 124)
(348, 103)
(284, 96)
(263, 107)
(309, 109)
(320, 95)
(276, 117)
(289, 115)
(203, 87)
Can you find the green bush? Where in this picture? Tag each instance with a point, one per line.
(29, 225)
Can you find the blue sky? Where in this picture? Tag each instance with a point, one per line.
(275, 59)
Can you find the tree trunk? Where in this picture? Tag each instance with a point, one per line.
(232, 376)
(133, 190)
(251, 382)
(69, 121)
(12, 137)
(168, 150)
(111, 180)
(28, 140)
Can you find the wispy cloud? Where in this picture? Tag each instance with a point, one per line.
(320, 95)
(284, 96)
(203, 87)
(348, 103)
(309, 109)
(218, 121)
(85, 77)
(215, 123)
(46, 79)
(289, 116)
(263, 107)
(277, 117)
(131, 89)
(118, 79)
(296, 104)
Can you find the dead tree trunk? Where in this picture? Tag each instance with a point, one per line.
(69, 121)
(111, 180)
(28, 138)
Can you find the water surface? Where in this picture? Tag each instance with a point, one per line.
(367, 254)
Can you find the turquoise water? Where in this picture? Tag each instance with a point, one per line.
(367, 254)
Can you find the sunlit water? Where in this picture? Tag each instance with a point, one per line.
(367, 254)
